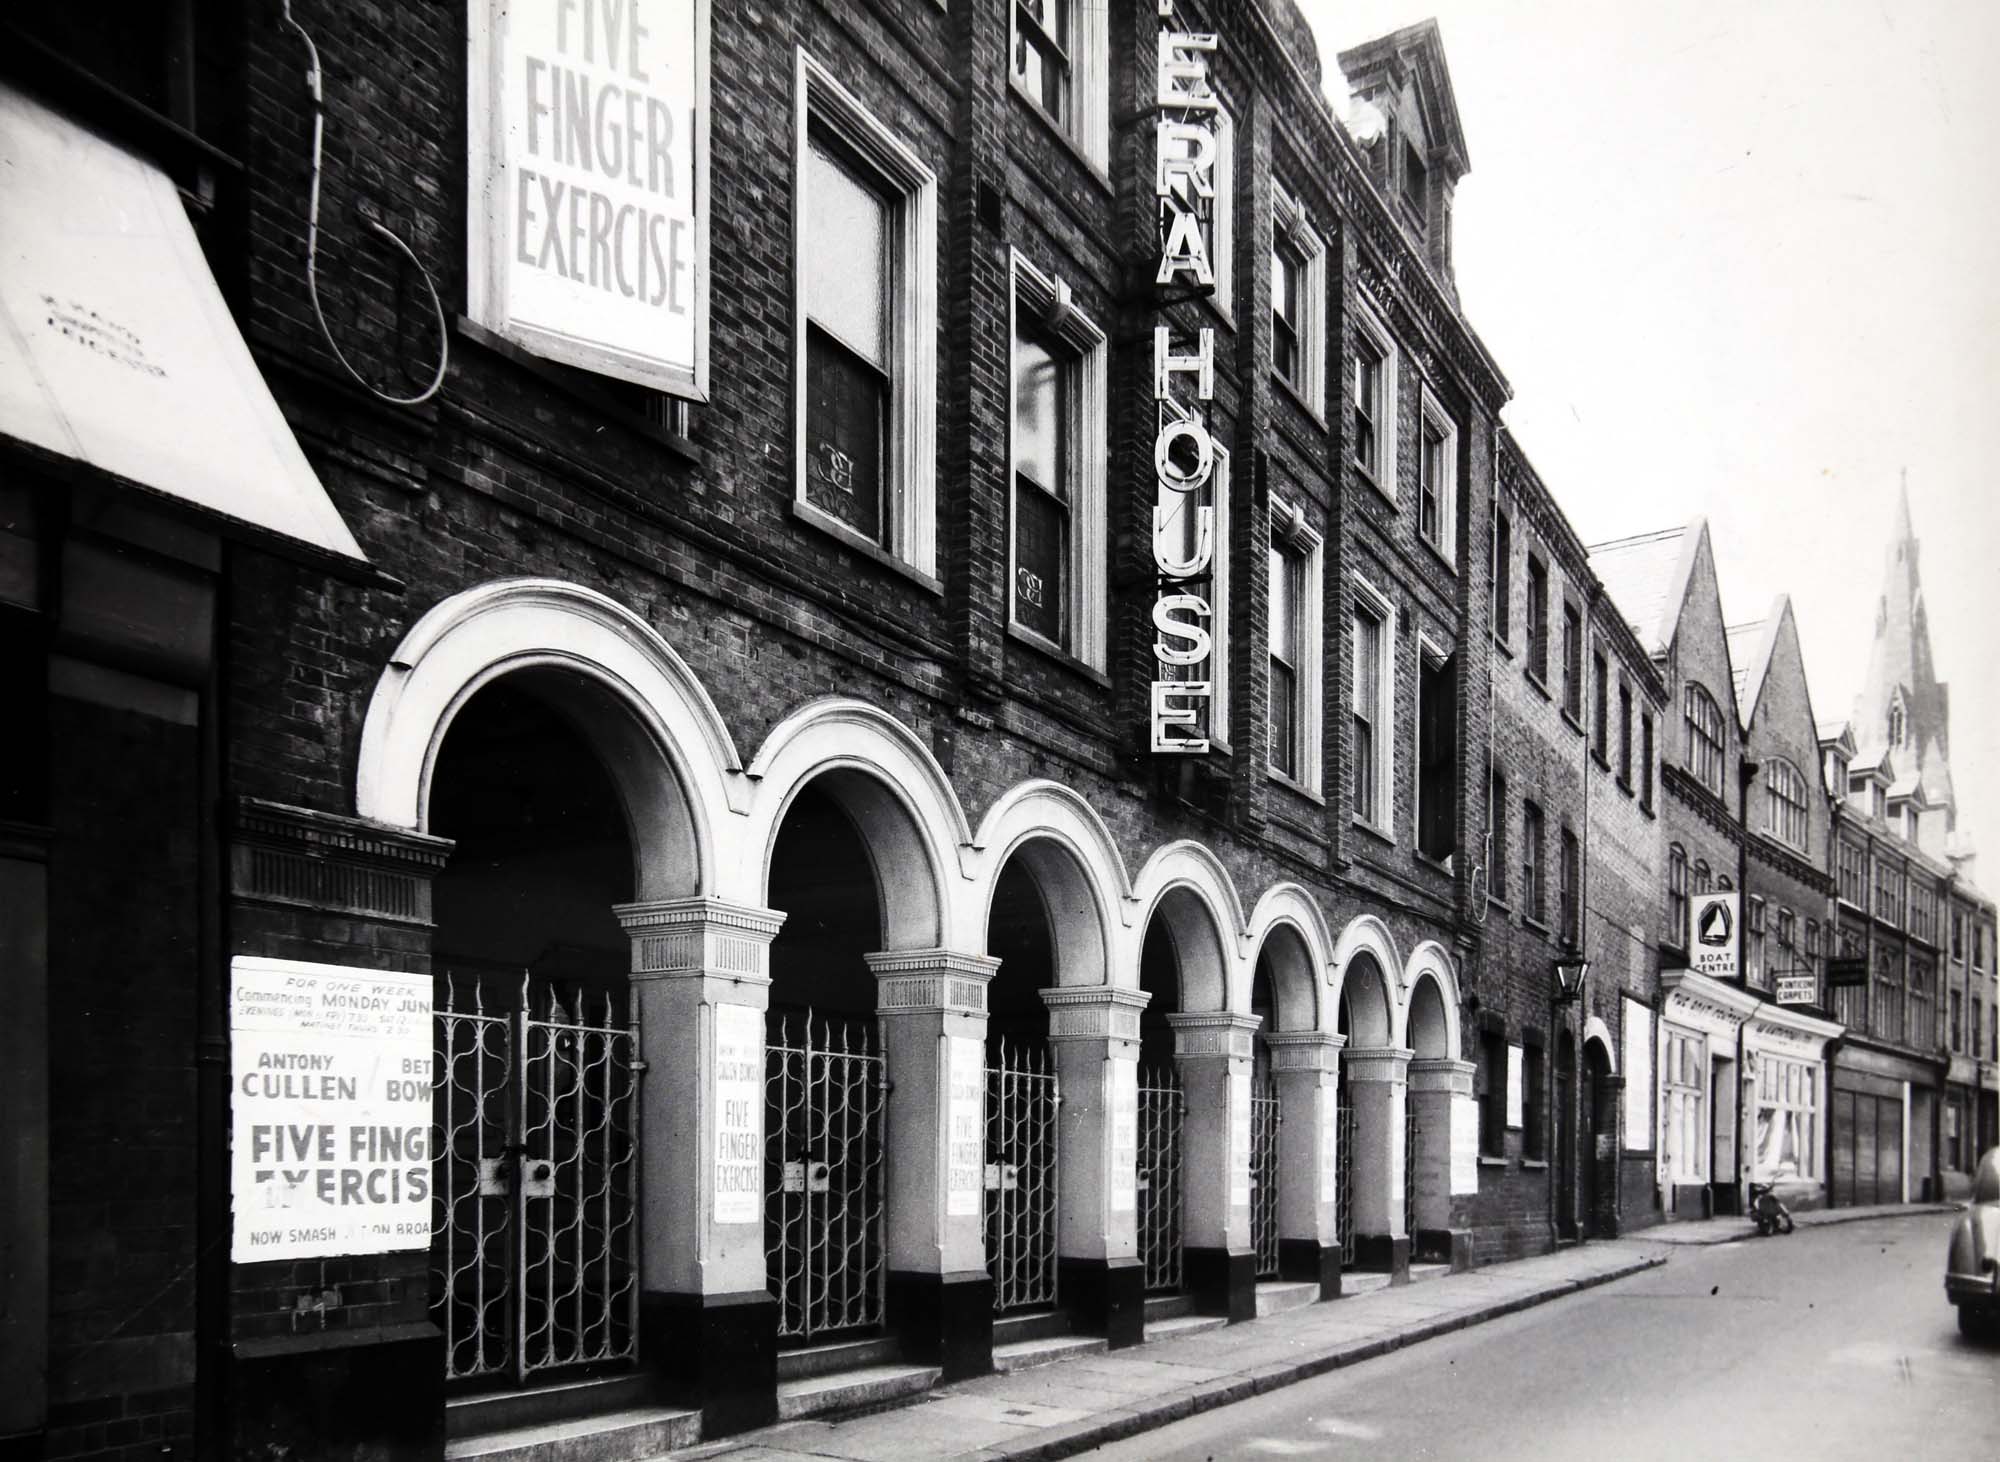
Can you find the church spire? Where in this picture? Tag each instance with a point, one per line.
(1903, 705)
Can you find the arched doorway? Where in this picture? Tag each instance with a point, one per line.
(1284, 1115)
(1371, 1115)
(1427, 1125)
(1600, 1142)
(1022, 1186)
(537, 1179)
(1565, 1103)
(1162, 1108)
(826, 1078)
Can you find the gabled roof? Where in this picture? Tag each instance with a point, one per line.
(1873, 761)
(1837, 734)
(1647, 578)
(1749, 655)
(1419, 49)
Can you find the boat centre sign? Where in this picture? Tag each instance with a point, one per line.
(1183, 451)
(330, 1110)
(587, 189)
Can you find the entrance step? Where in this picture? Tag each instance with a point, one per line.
(1180, 1325)
(498, 1411)
(841, 1355)
(1021, 1355)
(1420, 1272)
(1038, 1325)
(1168, 1307)
(864, 1389)
(1362, 1281)
(618, 1436)
(1274, 1297)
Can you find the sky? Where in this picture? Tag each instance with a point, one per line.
(1737, 259)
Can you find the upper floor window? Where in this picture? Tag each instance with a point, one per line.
(1058, 452)
(1372, 690)
(1416, 186)
(1785, 803)
(1703, 880)
(1854, 874)
(1061, 56)
(1372, 395)
(1888, 891)
(1573, 661)
(1437, 754)
(1437, 479)
(1538, 618)
(1496, 834)
(1571, 926)
(1503, 577)
(1625, 735)
(1677, 895)
(1600, 707)
(1534, 903)
(1703, 725)
(866, 402)
(1298, 302)
(1296, 571)
(1646, 760)
(1958, 936)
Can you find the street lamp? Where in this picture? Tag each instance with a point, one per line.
(1570, 972)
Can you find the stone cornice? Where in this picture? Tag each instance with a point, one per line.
(1441, 1073)
(297, 856)
(918, 981)
(1377, 1063)
(700, 938)
(1214, 1035)
(1094, 1013)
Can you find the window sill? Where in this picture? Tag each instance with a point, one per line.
(1381, 834)
(1369, 478)
(1536, 683)
(1535, 1164)
(1438, 553)
(1051, 650)
(1603, 763)
(1529, 921)
(1441, 865)
(1292, 784)
(1499, 901)
(826, 523)
(1571, 721)
(1488, 1161)
(1061, 134)
(1624, 786)
(1500, 644)
(1299, 399)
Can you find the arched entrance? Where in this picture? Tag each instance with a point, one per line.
(1600, 1141)
(537, 1181)
(1566, 1156)
(1022, 1169)
(1373, 1071)
(826, 1077)
(1285, 1080)
(1162, 1106)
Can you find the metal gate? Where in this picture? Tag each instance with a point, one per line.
(1343, 1181)
(1161, 1109)
(1410, 1133)
(824, 1087)
(535, 1181)
(1021, 1102)
(1264, 1120)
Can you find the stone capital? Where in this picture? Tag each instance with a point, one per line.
(1217, 1035)
(1304, 1050)
(1378, 1063)
(1094, 1012)
(1438, 1073)
(931, 981)
(700, 939)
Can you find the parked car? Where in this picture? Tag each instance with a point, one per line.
(1972, 1264)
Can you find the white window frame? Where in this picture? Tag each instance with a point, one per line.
(1368, 598)
(910, 508)
(1049, 297)
(1298, 541)
(1781, 768)
(1288, 217)
(1687, 1161)
(1790, 1088)
(1089, 124)
(1434, 415)
(1368, 323)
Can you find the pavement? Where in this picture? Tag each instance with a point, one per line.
(1062, 1409)
(1729, 1230)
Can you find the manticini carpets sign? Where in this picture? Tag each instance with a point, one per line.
(1183, 452)
(587, 190)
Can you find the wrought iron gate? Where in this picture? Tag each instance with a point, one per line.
(1021, 1102)
(1343, 1181)
(824, 1087)
(1161, 1109)
(1411, 1131)
(1264, 1120)
(535, 1181)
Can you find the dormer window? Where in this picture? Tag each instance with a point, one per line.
(1416, 185)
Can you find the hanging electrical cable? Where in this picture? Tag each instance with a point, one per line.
(312, 244)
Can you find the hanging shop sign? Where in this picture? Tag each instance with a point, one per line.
(587, 198)
(330, 1110)
(1798, 990)
(1183, 452)
(1712, 935)
(739, 1114)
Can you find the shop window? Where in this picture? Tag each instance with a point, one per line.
(1788, 1131)
(867, 389)
(1685, 1119)
(1058, 459)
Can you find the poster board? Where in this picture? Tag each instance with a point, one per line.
(739, 1114)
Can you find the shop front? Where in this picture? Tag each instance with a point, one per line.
(1784, 1089)
(1881, 1150)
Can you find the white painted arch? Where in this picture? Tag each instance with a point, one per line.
(1594, 1029)
(885, 779)
(1287, 922)
(1078, 868)
(1185, 884)
(1429, 961)
(1366, 939)
(625, 689)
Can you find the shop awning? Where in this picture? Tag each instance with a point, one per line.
(117, 351)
